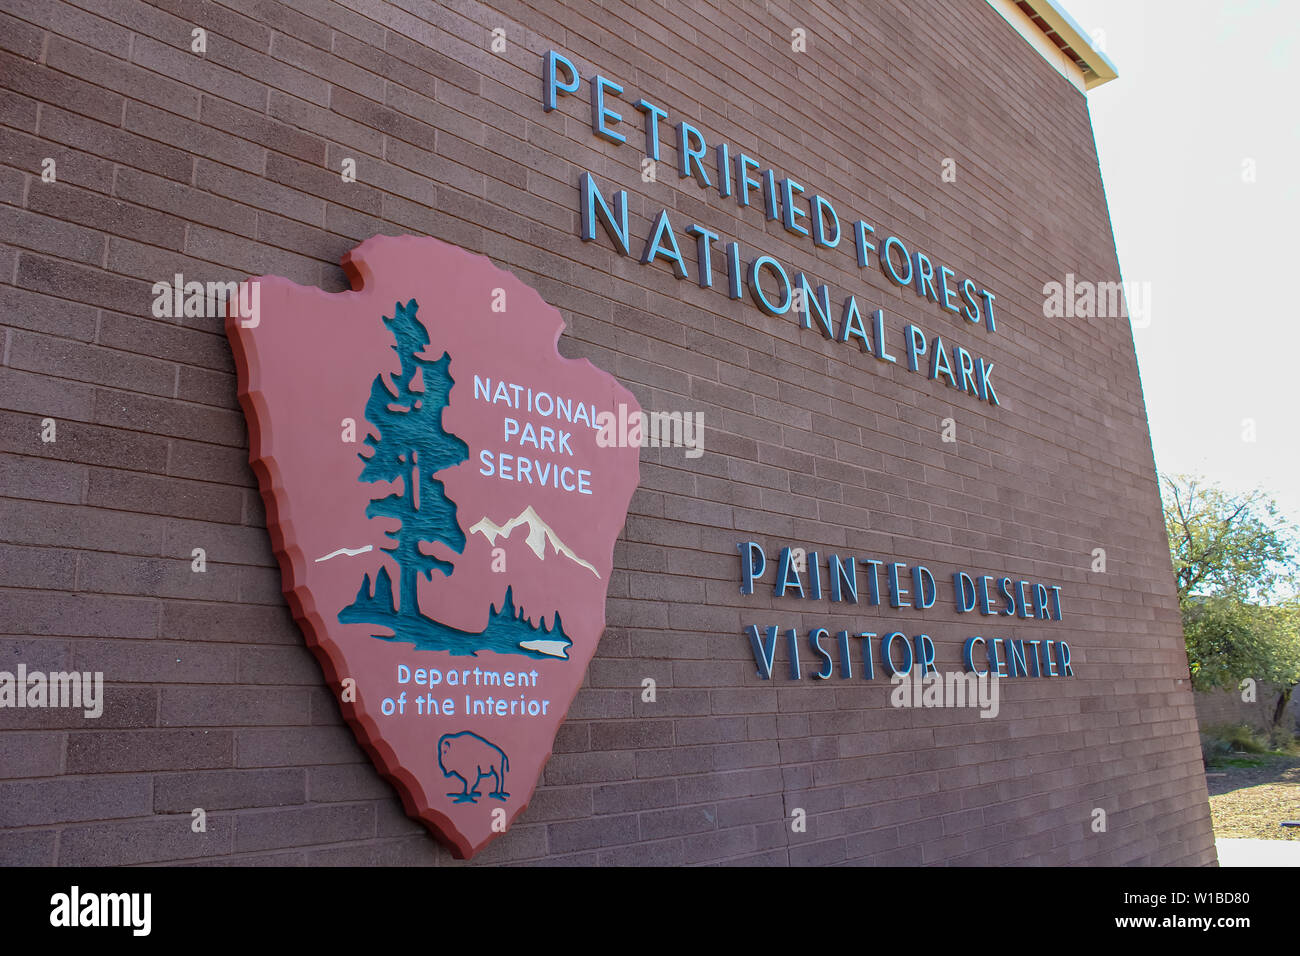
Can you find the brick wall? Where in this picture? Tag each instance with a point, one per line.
(1224, 707)
(227, 164)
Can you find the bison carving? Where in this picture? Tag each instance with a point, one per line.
(470, 758)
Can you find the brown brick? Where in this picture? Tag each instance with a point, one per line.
(19, 37)
(143, 750)
(303, 826)
(201, 72)
(39, 233)
(227, 790)
(69, 799)
(42, 82)
(324, 123)
(67, 281)
(36, 568)
(44, 396)
(640, 795)
(74, 615)
(28, 847)
(232, 706)
(115, 144)
(31, 755)
(68, 20)
(164, 416)
(121, 77)
(151, 495)
(346, 782)
(584, 834)
(297, 746)
(167, 838)
(123, 707)
(199, 621)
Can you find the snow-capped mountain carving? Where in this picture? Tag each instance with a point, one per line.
(539, 535)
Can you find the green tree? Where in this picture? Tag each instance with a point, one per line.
(410, 447)
(1227, 544)
(407, 448)
(1229, 639)
(1234, 566)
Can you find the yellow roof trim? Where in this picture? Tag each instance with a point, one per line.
(1059, 39)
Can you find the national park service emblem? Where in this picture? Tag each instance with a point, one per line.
(442, 511)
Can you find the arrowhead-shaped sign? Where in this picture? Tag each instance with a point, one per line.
(443, 491)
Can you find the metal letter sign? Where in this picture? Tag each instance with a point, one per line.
(443, 514)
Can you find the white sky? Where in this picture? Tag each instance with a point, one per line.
(1203, 87)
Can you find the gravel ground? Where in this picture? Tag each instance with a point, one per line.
(1251, 802)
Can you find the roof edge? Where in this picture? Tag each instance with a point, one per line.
(1060, 40)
